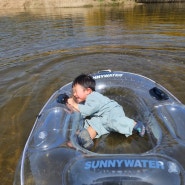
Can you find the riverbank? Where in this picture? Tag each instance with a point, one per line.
(29, 4)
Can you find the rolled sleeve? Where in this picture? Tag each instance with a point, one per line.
(90, 106)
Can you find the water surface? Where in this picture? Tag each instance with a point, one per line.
(42, 50)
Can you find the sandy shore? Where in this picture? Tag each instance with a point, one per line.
(29, 4)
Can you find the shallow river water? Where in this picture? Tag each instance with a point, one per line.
(42, 50)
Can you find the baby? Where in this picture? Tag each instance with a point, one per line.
(101, 114)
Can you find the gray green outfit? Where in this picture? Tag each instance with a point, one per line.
(105, 115)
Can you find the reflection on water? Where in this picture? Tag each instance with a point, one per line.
(45, 49)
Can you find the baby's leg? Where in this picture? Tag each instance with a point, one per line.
(96, 126)
(91, 132)
(84, 139)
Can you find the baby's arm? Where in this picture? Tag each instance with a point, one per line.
(71, 102)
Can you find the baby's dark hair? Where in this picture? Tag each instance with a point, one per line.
(86, 81)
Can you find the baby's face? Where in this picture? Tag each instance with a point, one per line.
(80, 93)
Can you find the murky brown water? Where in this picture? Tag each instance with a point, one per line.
(45, 49)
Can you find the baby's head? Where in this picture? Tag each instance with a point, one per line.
(82, 86)
(85, 81)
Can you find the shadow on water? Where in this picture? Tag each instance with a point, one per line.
(115, 143)
(43, 50)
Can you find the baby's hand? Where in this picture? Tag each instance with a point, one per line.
(70, 101)
(72, 104)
